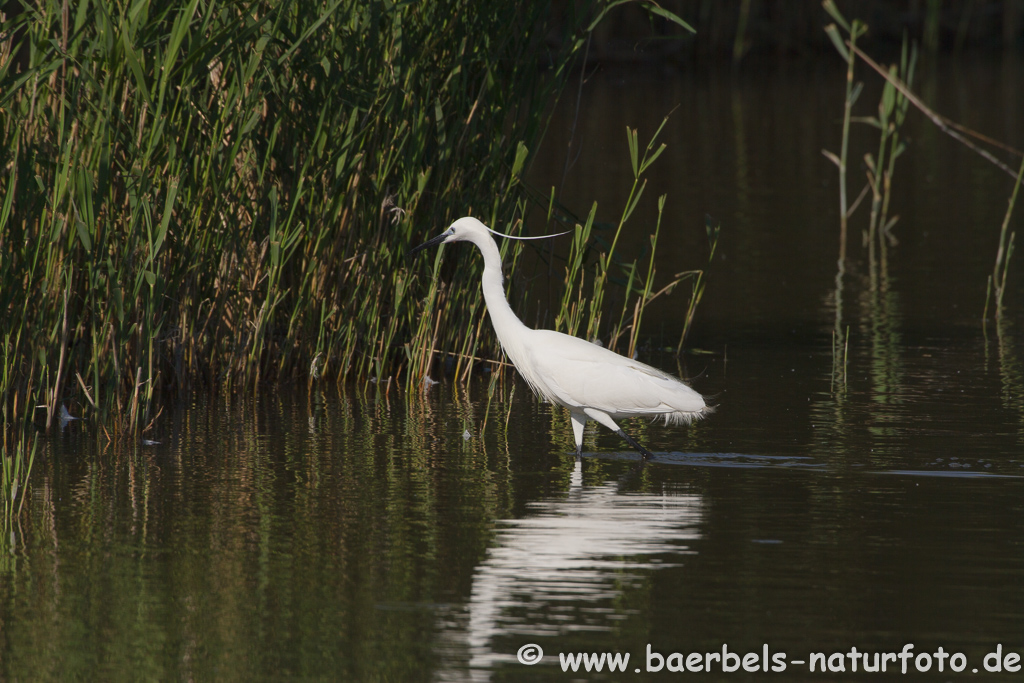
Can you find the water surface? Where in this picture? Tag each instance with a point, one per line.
(362, 533)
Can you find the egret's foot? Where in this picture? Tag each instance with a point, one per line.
(636, 444)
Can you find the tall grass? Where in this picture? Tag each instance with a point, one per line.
(897, 95)
(880, 169)
(15, 468)
(892, 112)
(582, 300)
(221, 195)
(854, 30)
(997, 280)
(214, 194)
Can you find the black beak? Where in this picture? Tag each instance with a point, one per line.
(429, 243)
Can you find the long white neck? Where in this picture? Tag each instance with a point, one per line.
(510, 329)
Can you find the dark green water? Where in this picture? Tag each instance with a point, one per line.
(365, 534)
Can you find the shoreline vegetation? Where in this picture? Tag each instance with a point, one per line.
(214, 196)
(217, 196)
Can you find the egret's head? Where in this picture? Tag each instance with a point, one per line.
(466, 229)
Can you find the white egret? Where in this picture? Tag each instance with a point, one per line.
(593, 382)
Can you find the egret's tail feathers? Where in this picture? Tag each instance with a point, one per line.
(685, 417)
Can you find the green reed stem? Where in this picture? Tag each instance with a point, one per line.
(15, 469)
(1005, 249)
(854, 30)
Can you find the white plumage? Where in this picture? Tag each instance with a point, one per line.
(591, 381)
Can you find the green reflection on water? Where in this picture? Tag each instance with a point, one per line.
(353, 536)
(272, 537)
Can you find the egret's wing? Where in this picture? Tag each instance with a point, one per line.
(579, 373)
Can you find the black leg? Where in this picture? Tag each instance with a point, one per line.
(635, 444)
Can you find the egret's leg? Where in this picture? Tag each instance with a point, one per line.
(635, 444)
(579, 420)
(607, 421)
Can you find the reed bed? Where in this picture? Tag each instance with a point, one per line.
(212, 194)
(221, 196)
